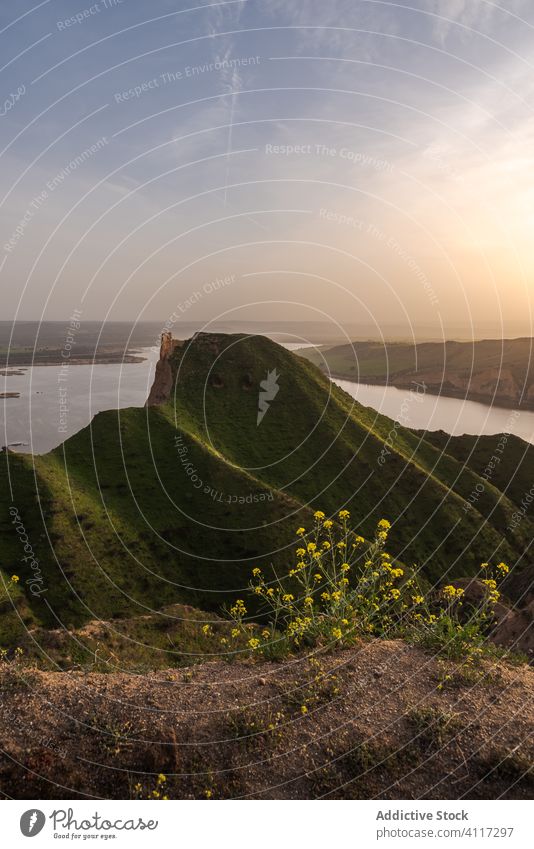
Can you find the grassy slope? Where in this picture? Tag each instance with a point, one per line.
(125, 530)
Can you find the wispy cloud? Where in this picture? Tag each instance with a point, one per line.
(479, 15)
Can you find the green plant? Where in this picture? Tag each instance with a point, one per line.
(456, 631)
(341, 588)
(433, 728)
(251, 728)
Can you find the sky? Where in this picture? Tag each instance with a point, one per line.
(344, 161)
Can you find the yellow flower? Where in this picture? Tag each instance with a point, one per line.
(288, 598)
(256, 572)
(384, 525)
(318, 515)
(265, 633)
(341, 544)
(328, 524)
(344, 581)
(207, 794)
(15, 579)
(337, 633)
(394, 593)
(502, 567)
(345, 567)
(311, 546)
(161, 778)
(235, 632)
(301, 531)
(258, 590)
(417, 599)
(325, 596)
(317, 578)
(239, 608)
(484, 565)
(326, 545)
(491, 583)
(253, 643)
(206, 629)
(344, 621)
(451, 592)
(270, 591)
(359, 540)
(301, 552)
(308, 601)
(344, 514)
(303, 709)
(224, 641)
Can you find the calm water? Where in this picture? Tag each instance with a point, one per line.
(34, 418)
(433, 412)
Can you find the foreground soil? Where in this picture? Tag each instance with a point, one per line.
(383, 720)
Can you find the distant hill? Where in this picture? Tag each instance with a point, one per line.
(175, 503)
(492, 371)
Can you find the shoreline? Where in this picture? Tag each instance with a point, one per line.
(107, 360)
(443, 393)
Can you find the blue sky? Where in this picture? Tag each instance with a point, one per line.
(356, 159)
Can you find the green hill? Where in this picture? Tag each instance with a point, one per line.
(174, 504)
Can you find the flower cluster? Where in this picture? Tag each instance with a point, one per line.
(342, 587)
(158, 792)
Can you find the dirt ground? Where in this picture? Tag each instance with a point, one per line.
(384, 720)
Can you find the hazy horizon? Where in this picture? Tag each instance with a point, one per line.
(314, 332)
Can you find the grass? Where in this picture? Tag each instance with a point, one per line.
(120, 530)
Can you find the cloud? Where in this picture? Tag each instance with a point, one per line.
(479, 15)
(330, 25)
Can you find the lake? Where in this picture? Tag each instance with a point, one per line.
(53, 406)
(436, 412)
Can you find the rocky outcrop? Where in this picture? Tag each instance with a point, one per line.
(164, 379)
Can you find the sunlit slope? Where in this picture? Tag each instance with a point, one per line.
(149, 507)
(319, 444)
